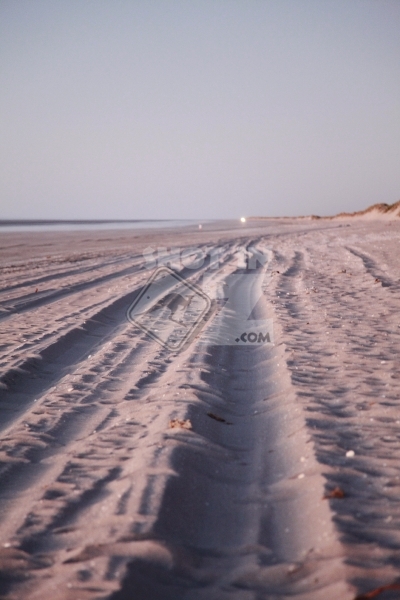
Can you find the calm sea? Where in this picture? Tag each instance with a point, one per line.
(71, 226)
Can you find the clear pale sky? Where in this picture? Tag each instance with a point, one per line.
(198, 108)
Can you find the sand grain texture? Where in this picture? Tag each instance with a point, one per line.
(219, 472)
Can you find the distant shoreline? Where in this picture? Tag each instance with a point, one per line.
(38, 225)
(27, 222)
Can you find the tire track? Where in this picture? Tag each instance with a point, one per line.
(110, 500)
(328, 330)
(32, 301)
(373, 269)
(35, 534)
(226, 518)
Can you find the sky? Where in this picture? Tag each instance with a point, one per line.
(198, 109)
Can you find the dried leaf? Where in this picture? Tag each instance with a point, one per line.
(374, 593)
(217, 418)
(335, 493)
(180, 424)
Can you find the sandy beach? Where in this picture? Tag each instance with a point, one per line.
(255, 469)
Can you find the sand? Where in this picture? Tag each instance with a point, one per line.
(249, 471)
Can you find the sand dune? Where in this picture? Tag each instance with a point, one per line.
(222, 471)
(376, 211)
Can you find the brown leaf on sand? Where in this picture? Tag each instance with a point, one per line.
(377, 280)
(180, 424)
(374, 593)
(337, 492)
(217, 418)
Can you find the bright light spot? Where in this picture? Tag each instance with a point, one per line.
(243, 220)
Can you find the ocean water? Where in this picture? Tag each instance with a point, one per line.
(92, 226)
